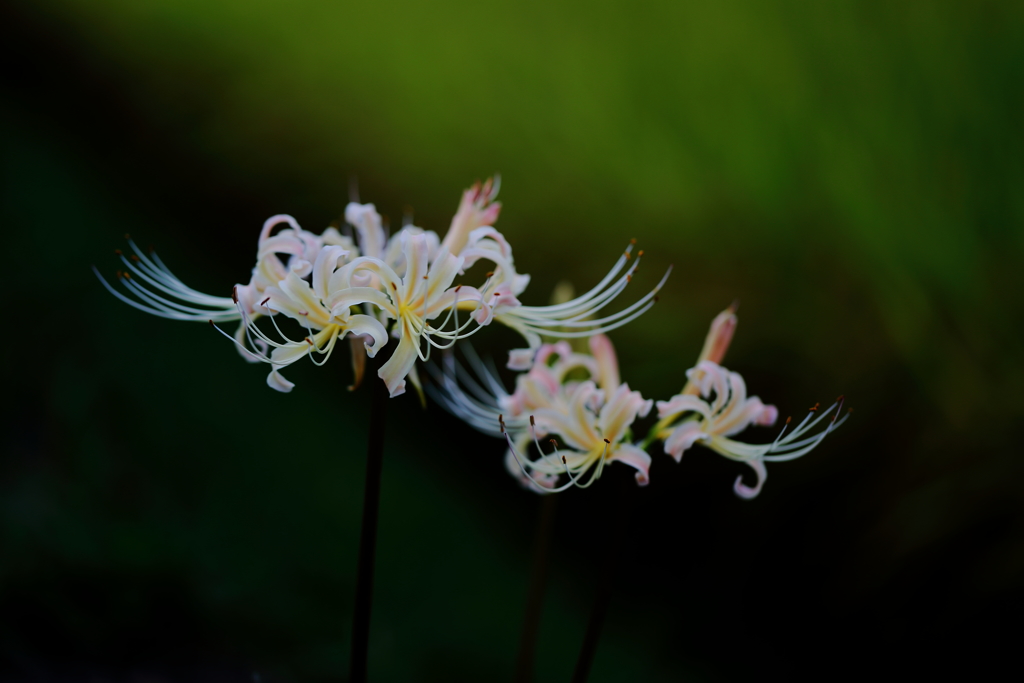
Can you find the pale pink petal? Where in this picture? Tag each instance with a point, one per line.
(769, 414)
(520, 359)
(719, 336)
(276, 381)
(682, 403)
(635, 458)
(607, 362)
(475, 210)
(682, 438)
(620, 412)
(747, 492)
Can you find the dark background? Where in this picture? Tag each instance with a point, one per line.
(852, 172)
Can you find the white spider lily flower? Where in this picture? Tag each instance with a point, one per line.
(303, 301)
(712, 423)
(594, 433)
(592, 416)
(420, 295)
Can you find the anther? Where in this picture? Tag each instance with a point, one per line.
(490, 274)
(127, 236)
(563, 460)
(815, 407)
(394, 286)
(840, 399)
(554, 444)
(309, 341)
(633, 241)
(458, 288)
(234, 294)
(150, 249)
(640, 253)
(135, 258)
(118, 252)
(532, 423)
(264, 302)
(629, 278)
(607, 442)
(789, 419)
(212, 324)
(127, 275)
(120, 275)
(425, 277)
(303, 312)
(626, 254)
(656, 297)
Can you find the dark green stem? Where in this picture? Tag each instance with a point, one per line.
(535, 594)
(368, 536)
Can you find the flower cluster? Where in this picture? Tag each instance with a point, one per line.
(580, 399)
(369, 286)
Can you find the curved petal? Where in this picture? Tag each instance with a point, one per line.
(370, 231)
(269, 224)
(295, 298)
(324, 267)
(635, 458)
(365, 325)
(417, 253)
(748, 492)
(442, 273)
(275, 380)
(683, 403)
(682, 438)
(607, 362)
(342, 278)
(343, 299)
(620, 412)
(395, 370)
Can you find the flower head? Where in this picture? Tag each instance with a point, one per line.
(714, 407)
(576, 399)
(335, 286)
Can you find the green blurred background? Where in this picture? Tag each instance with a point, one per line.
(852, 172)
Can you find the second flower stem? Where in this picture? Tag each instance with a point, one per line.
(535, 593)
(626, 497)
(368, 534)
